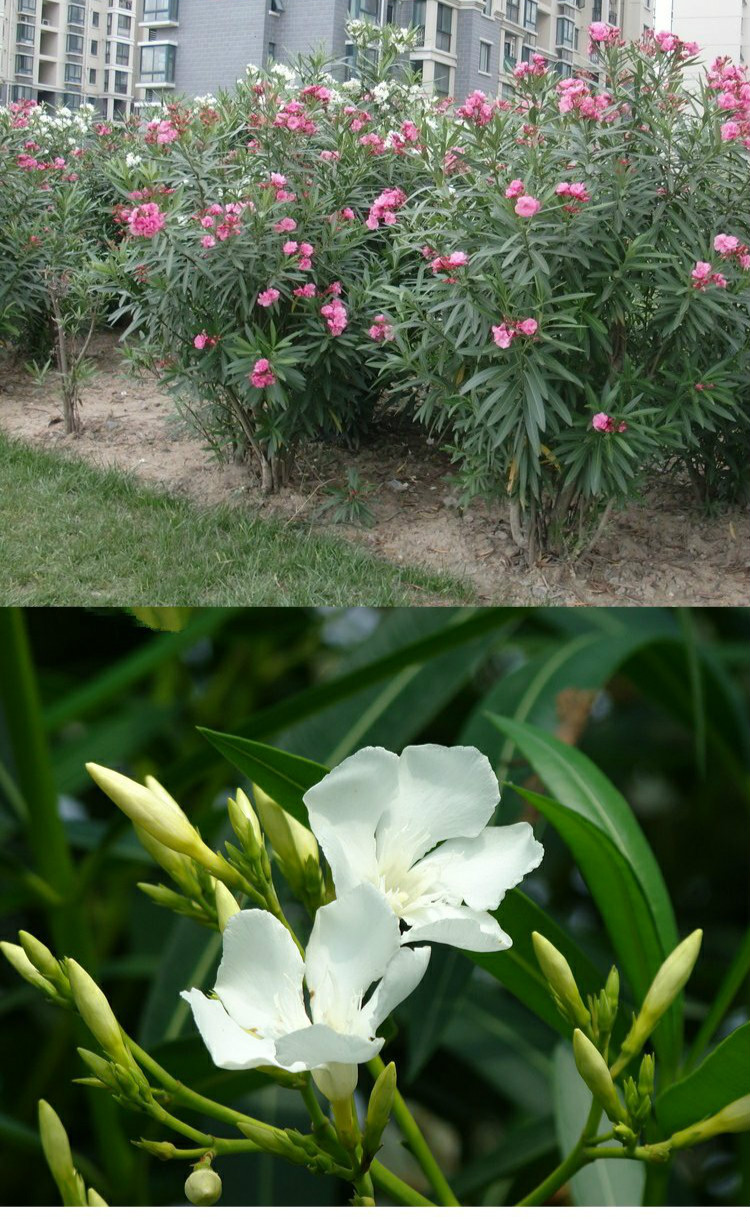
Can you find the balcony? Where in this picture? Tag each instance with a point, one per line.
(158, 13)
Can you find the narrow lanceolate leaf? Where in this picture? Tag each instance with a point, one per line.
(616, 891)
(284, 777)
(723, 1077)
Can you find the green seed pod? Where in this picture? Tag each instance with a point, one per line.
(203, 1186)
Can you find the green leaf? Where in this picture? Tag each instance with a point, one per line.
(578, 783)
(602, 1184)
(623, 906)
(723, 1076)
(284, 777)
(431, 1007)
(522, 1146)
(189, 961)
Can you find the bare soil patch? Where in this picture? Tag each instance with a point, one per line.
(662, 551)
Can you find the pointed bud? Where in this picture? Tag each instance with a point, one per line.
(176, 864)
(44, 961)
(226, 905)
(20, 963)
(668, 982)
(244, 820)
(160, 818)
(101, 1068)
(203, 1186)
(379, 1110)
(593, 1068)
(733, 1118)
(646, 1077)
(292, 843)
(95, 1200)
(561, 981)
(612, 988)
(96, 1012)
(56, 1148)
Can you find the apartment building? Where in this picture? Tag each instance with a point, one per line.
(721, 29)
(464, 44)
(65, 54)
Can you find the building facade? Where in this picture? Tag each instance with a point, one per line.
(723, 28)
(65, 54)
(114, 52)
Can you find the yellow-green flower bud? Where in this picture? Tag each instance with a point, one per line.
(95, 1200)
(101, 1068)
(593, 1068)
(20, 963)
(292, 843)
(646, 1077)
(203, 1186)
(160, 818)
(56, 1148)
(732, 1118)
(176, 864)
(226, 905)
(44, 961)
(246, 817)
(96, 1012)
(668, 982)
(561, 981)
(379, 1109)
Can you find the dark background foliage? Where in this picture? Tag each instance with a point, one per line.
(657, 698)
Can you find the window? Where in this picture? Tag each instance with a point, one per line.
(418, 19)
(510, 53)
(417, 68)
(24, 65)
(74, 44)
(94, 47)
(488, 8)
(565, 32)
(442, 80)
(485, 53)
(92, 76)
(21, 93)
(162, 10)
(122, 53)
(95, 19)
(157, 64)
(276, 7)
(24, 33)
(444, 27)
(121, 82)
(27, 6)
(124, 23)
(508, 93)
(512, 10)
(529, 14)
(597, 11)
(73, 74)
(76, 14)
(109, 23)
(72, 100)
(271, 52)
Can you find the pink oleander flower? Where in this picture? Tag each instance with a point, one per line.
(306, 250)
(449, 262)
(306, 290)
(515, 189)
(336, 317)
(269, 297)
(704, 277)
(528, 326)
(208, 242)
(262, 374)
(725, 244)
(502, 335)
(576, 190)
(304, 264)
(383, 210)
(287, 225)
(381, 330)
(290, 247)
(200, 341)
(666, 41)
(602, 422)
(476, 108)
(330, 154)
(602, 32)
(527, 205)
(145, 220)
(348, 214)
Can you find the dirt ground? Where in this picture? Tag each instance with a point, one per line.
(662, 551)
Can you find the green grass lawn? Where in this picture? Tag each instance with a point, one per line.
(74, 536)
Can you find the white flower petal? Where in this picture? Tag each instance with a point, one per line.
(481, 870)
(443, 791)
(229, 1045)
(345, 808)
(459, 926)
(352, 941)
(260, 977)
(402, 975)
(319, 1044)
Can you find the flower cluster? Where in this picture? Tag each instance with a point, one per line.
(204, 340)
(293, 116)
(575, 190)
(504, 334)
(603, 34)
(145, 220)
(536, 66)
(383, 210)
(381, 330)
(161, 131)
(731, 84)
(730, 247)
(477, 109)
(602, 422)
(575, 96)
(262, 374)
(703, 277)
(449, 262)
(336, 316)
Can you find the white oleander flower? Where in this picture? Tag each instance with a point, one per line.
(132, 159)
(379, 818)
(259, 1015)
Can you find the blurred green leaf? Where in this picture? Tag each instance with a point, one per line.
(284, 777)
(430, 1008)
(521, 1146)
(723, 1076)
(603, 1184)
(189, 960)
